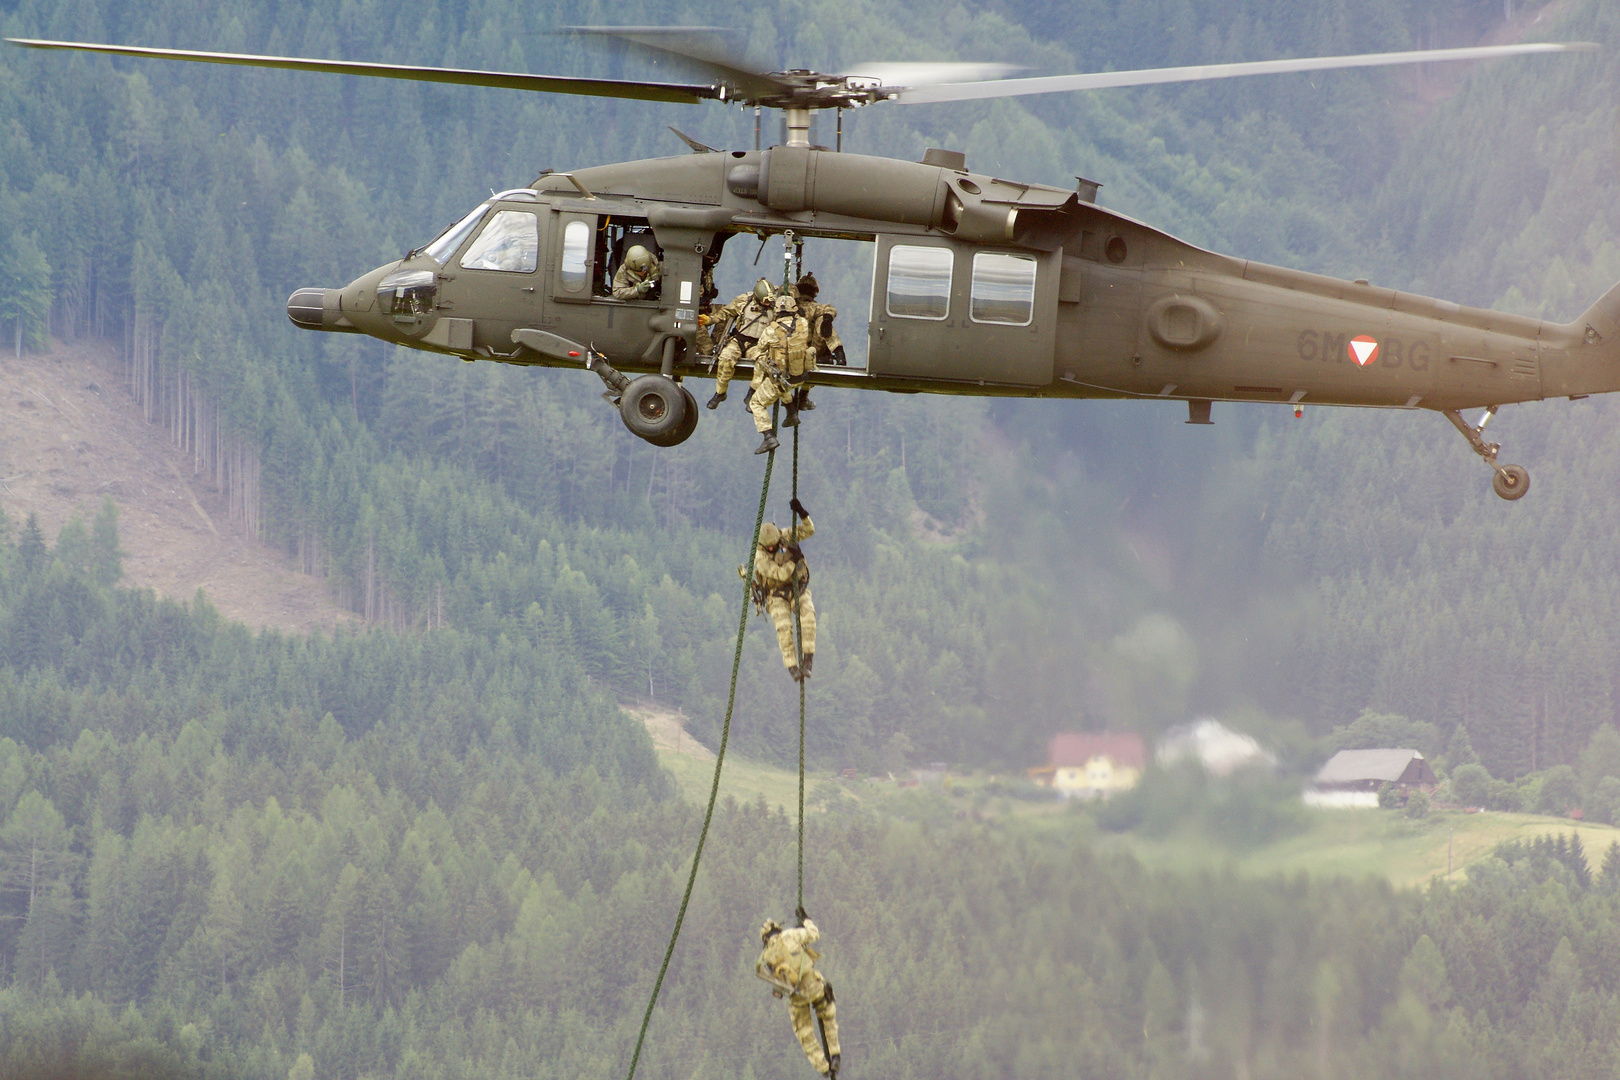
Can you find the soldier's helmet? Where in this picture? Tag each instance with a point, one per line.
(763, 293)
(785, 304)
(769, 929)
(809, 289)
(640, 259)
(769, 534)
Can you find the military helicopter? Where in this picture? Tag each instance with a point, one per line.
(980, 286)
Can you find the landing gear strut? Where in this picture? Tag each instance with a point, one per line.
(1510, 481)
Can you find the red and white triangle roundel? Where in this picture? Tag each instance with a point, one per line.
(1363, 349)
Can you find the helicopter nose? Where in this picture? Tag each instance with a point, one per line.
(314, 309)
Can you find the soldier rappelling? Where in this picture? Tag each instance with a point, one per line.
(781, 580)
(781, 361)
(788, 963)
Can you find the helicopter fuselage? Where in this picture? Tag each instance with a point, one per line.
(981, 286)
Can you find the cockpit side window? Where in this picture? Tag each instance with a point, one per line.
(510, 242)
(449, 240)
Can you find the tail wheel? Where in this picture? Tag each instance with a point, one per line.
(1511, 482)
(655, 408)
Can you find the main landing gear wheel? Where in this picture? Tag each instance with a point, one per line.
(1511, 482)
(689, 424)
(655, 408)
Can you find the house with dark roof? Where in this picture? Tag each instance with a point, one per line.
(1089, 765)
(1354, 777)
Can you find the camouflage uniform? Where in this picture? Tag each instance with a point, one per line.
(637, 278)
(823, 335)
(752, 317)
(824, 341)
(789, 963)
(780, 572)
(781, 359)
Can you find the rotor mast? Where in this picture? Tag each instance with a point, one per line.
(798, 125)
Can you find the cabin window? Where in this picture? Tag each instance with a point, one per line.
(510, 242)
(919, 282)
(449, 240)
(1003, 289)
(576, 242)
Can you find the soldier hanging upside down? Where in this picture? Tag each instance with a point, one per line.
(781, 577)
(788, 963)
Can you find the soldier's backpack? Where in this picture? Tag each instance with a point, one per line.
(790, 345)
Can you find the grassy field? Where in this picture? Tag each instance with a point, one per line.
(1352, 843)
(1371, 842)
(742, 779)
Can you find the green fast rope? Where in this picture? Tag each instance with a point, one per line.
(798, 633)
(719, 760)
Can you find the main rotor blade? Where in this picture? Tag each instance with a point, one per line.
(1100, 80)
(711, 47)
(549, 84)
(927, 73)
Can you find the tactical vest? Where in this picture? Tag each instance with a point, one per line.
(789, 347)
(789, 963)
(753, 321)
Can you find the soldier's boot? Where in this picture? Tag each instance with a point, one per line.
(793, 673)
(767, 444)
(748, 397)
(805, 404)
(809, 658)
(719, 396)
(792, 417)
(832, 1066)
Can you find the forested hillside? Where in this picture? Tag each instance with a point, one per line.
(435, 847)
(429, 856)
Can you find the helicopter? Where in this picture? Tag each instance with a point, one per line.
(981, 285)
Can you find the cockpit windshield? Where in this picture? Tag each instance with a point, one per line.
(449, 240)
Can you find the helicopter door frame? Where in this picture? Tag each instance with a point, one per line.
(572, 273)
(992, 322)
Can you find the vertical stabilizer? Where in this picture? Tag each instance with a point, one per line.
(1603, 320)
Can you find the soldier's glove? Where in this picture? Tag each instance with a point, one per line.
(776, 994)
(799, 911)
(798, 508)
(704, 320)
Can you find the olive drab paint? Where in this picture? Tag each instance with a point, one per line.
(1060, 298)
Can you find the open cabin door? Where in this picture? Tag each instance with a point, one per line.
(943, 309)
